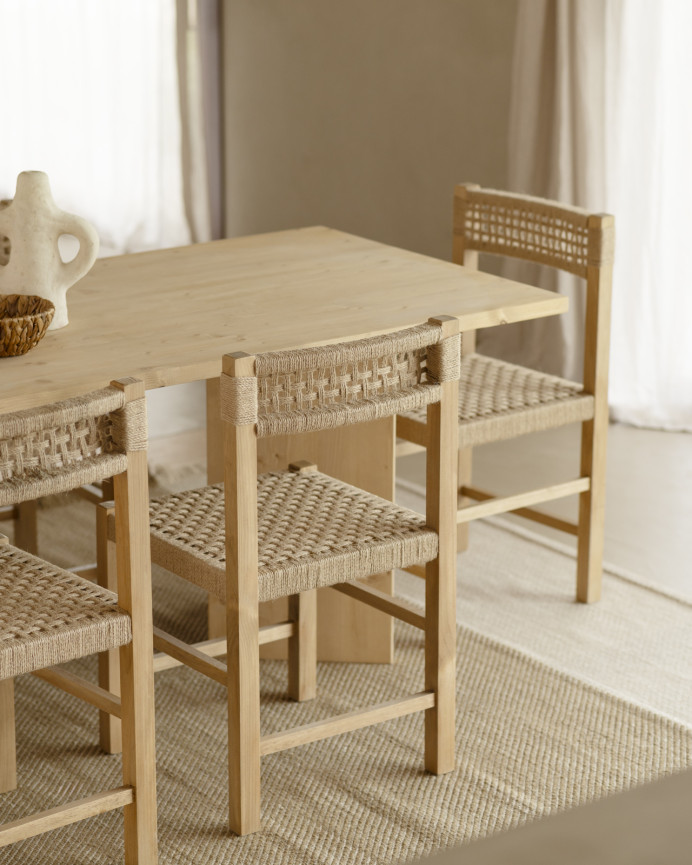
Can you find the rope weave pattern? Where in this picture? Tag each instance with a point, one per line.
(129, 426)
(49, 616)
(443, 360)
(54, 448)
(313, 531)
(335, 354)
(238, 395)
(500, 400)
(330, 386)
(531, 229)
(346, 383)
(100, 402)
(343, 414)
(489, 386)
(50, 449)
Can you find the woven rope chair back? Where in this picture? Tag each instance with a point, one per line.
(531, 229)
(59, 447)
(330, 386)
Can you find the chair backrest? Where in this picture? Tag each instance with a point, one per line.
(545, 232)
(330, 386)
(56, 448)
(531, 229)
(320, 388)
(59, 447)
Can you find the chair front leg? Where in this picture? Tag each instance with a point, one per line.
(591, 531)
(464, 465)
(302, 610)
(8, 757)
(302, 646)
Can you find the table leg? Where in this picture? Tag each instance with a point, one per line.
(362, 454)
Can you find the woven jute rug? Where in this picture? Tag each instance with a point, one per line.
(533, 737)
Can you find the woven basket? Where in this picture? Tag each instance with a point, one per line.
(23, 321)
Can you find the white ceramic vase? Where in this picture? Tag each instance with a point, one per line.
(33, 223)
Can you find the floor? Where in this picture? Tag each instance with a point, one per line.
(649, 493)
(649, 489)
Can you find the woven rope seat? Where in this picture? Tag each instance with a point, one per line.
(49, 616)
(313, 531)
(499, 400)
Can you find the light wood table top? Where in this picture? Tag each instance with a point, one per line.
(168, 316)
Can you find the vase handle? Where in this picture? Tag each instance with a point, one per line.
(88, 239)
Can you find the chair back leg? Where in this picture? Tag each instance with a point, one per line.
(110, 729)
(26, 527)
(137, 686)
(136, 660)
(469, 259)
(242, 664)
(440, 576)
(594, 436)
(8, 757)
(242, 617)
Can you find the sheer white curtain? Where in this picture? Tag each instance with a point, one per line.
(90, 96)
(649, 182)
(601, 117)
(199, 70)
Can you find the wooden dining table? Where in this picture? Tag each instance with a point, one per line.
(167, 317)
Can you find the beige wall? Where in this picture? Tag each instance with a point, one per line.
(362, 114)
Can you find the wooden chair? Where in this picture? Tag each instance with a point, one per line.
(499, 400)
(284, 534)
(49, 616)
